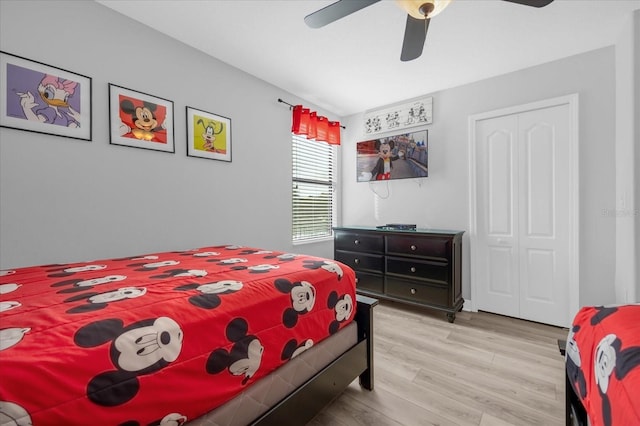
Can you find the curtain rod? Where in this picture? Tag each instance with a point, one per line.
(281, 101)
(291, 106)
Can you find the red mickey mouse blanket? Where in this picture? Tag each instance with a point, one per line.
(161, 336)
(603, 363)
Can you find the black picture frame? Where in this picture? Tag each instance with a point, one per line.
(208, 135)
(140, 120)
(41, 98)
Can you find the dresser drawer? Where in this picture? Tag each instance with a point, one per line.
(433, 247)
(354, 241)
(414, 269)
(361, 261)
(369, 282)
(417, 293)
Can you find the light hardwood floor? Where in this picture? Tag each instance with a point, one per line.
(482, 370)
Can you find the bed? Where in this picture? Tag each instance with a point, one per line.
(221, 335)
(602, 357)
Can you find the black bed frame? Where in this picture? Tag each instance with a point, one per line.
(316, 393)
(575, 414)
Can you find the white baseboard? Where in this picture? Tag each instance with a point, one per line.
(467, 306)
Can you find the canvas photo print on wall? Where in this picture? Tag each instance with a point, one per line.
(44, 99)
(401, 156)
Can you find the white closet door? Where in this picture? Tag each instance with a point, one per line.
(523, 211)
(544, 211)
(497, 183)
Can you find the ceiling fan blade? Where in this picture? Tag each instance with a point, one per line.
(533, 3)
(335, 11)
(415, 33)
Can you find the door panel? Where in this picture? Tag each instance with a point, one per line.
(499, 187)
(539, 269)
(540, 165)
(500, 274)
(544, 209)
(496, 234)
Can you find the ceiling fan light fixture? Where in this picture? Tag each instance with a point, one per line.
(423, 9)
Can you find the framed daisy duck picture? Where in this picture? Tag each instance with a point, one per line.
(208, 135)
(41, 98)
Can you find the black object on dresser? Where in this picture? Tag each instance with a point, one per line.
(421, 267)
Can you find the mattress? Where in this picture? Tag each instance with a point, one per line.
(603, 363)
(159, 337)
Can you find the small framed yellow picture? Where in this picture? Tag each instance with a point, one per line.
(208, 135)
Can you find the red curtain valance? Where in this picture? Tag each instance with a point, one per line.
(312, 131)
(313, 126)
(333, 136)
(300, 124)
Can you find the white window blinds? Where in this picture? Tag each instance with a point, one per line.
(312, 192)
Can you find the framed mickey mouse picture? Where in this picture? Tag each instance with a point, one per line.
(140, 120)
(208, 135)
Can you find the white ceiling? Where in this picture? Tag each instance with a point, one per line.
(353, 64)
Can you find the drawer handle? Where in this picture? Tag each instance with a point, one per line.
(414, 291)
(356, 261)
(413, 269)
(356, 242)
(413, 248)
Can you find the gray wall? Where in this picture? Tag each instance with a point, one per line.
(442, 199)
(626, 212)
(68, 200)
(636, 143)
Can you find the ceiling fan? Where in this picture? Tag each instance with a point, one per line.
(419, 14)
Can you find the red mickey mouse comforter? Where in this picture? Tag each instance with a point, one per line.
(603, 363)
(160, 337)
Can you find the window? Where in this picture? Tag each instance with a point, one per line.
(313, 189)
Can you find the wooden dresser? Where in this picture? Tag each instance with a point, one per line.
(421, 267)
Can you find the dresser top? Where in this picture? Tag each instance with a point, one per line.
(403, 231)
